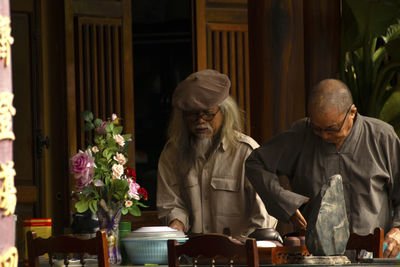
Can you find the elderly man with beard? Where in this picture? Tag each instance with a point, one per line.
(201, 183)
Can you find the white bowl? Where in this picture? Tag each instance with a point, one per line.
(148, 245)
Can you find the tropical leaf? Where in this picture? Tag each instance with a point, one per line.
(393, 32)
(391, 108)
(374, 17)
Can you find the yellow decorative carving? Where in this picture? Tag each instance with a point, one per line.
(6, 40)
(8, 197)
(10, 258)
(6, 112)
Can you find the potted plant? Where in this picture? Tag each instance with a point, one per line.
(370, 57)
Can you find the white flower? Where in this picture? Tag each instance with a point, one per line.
(120, 158)
(95, 149)
(128, 203)
(118, 170)
(114, 117)
(119, 139)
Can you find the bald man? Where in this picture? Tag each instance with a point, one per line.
(334, 139)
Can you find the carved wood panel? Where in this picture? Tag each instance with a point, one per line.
(99, 66)
(222, 44)
(228, 52)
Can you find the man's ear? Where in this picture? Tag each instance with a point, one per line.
(353, 111)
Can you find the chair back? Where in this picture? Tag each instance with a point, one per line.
(372, 242)
(210, 246)
(65, 245)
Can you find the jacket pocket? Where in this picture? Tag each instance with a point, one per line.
(225, 183)
(226, 195)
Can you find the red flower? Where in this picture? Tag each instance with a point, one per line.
(129, 172)
(143, 193)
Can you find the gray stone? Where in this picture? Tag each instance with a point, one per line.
(327, 226)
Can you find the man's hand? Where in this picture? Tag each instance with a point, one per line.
(392, 239)
(298, 220)
(177, 224)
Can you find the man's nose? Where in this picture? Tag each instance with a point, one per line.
(200, 119)
(324, 135)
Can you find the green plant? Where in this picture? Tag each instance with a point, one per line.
(100, 171)
(370, 57)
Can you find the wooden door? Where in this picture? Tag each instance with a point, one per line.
(28, 121)
(99, 68)
(221, 43)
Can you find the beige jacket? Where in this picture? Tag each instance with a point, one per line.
(214, 193)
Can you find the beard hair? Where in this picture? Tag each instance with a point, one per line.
(201, 146)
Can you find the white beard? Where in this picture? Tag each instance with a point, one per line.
(204, 125)
(202, 146)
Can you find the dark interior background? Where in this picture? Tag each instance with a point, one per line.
(162, 55)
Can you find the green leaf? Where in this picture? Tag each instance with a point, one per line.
(93, 205)
(87, 190)
(87, 115)
(374, 17)
(110, 127)
(393, 32)
(88, 126)
(126, 146)
(97, 122)
(98, 139)
(142, 205)
(82, 205)
(135, 211)
(391, 108)
(124, 210)
(117, 130)
(105, 152)
(126, 136)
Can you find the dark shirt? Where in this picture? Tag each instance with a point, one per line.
(368, 161)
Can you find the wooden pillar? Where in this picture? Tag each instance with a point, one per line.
(8, 252)
(293, 44)
(276, 45)
(321, 40)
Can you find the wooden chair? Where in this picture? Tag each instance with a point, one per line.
(372, 242)
(210, 246)
(65, 245)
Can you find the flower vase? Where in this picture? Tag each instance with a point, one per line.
(109, 216)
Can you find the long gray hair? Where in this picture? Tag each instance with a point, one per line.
(180, 136)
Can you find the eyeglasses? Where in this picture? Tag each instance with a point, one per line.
(329, 130)
(206, 116)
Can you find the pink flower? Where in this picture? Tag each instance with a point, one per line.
(133, 189)
(117, 170)
(119, 139)
(128, 203)
(95, 149)
(120, 158)
(102, 128)
(82, 165)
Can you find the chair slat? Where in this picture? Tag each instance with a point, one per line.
(66, 245)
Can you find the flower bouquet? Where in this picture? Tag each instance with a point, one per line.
(104, 184)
